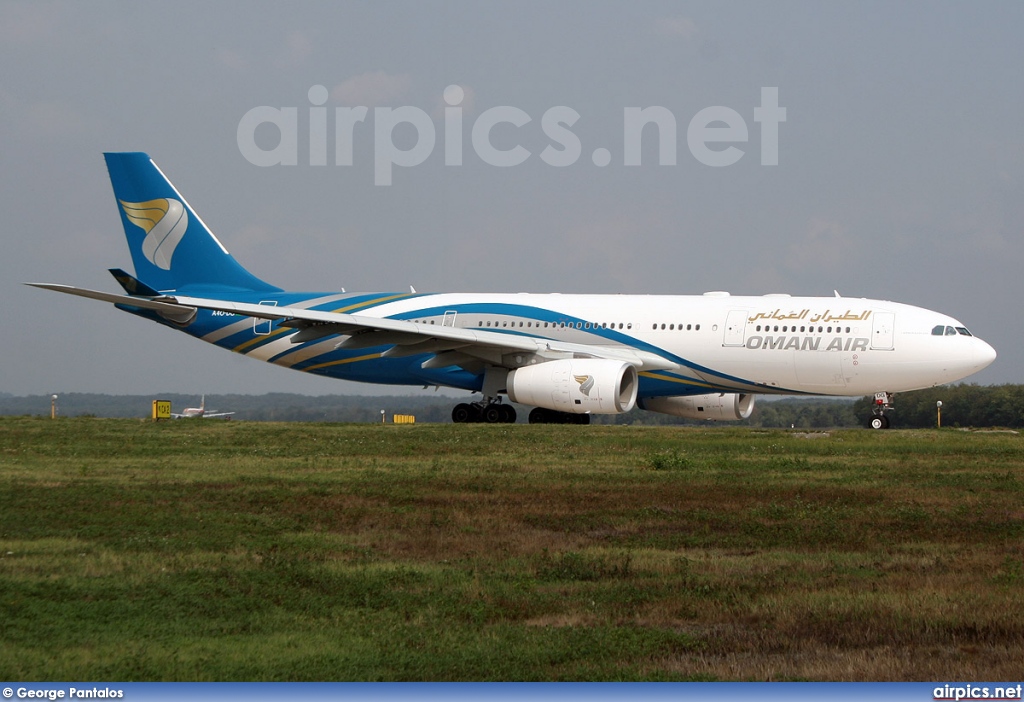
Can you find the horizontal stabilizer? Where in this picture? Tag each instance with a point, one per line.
(182, 314)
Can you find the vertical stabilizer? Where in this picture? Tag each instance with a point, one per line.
(172, 248)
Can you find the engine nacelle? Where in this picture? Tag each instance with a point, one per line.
(725, 406)
(578, 386)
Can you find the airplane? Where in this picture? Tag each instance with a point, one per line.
(200, 412)
(568, 356)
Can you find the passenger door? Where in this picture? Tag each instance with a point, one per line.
(735, 325)
(882, 326)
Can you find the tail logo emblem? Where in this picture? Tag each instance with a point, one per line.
(586, 383)
(164, 220)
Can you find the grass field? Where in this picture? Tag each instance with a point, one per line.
(200, 550)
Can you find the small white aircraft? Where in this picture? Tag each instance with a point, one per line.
(200, 412)
(568, 356)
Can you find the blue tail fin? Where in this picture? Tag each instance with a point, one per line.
(172, 248)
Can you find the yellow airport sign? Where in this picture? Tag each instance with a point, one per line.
(161, 409)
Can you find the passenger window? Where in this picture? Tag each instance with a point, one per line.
(697, 328)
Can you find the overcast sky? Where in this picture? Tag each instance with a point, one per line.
(900, 164)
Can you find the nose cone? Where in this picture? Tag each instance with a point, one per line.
(984, 354)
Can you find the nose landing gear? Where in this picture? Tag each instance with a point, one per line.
(883, 403)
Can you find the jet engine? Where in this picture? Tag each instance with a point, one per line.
(726, 406)
(577, 386)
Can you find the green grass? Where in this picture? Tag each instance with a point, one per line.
(236, 551)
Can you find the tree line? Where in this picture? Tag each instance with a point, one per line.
(962, 405)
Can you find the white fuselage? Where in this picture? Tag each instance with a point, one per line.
(773, 344)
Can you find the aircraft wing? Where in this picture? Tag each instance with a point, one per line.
(214, 415)
(450, 345)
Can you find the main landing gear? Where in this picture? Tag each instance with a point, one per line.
(879, 418)
(498, 413)
(489, 410)
(476, 412)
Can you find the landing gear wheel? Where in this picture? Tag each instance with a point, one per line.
(462, 414)
(538, 415)
(508, 414)
(879, 422)
(492, 414)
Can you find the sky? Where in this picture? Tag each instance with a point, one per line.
(899, 175)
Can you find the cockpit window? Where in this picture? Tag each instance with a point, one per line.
(943, 330)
